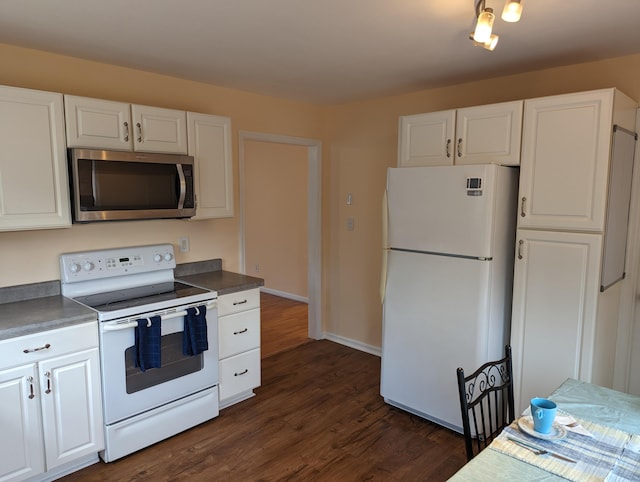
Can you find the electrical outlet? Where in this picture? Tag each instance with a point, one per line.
(257, 268)
(184, 244)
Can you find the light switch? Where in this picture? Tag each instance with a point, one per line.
(350, 224)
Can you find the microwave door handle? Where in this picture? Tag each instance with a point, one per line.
(183, 186)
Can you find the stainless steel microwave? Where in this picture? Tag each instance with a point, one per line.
(121, 185)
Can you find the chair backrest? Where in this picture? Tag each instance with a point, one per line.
(486, 402)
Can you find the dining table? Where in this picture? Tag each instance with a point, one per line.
(600, 441)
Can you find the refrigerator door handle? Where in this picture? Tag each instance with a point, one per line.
(385, 247)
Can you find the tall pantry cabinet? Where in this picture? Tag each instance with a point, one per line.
(564, 320)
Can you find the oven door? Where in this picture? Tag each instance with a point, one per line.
(128, 391)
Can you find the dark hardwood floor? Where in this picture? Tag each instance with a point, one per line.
(317, 416)
(283, 324)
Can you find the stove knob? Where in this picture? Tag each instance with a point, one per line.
(168, 256)
(74, 268)
(88, 266)
(157, 258)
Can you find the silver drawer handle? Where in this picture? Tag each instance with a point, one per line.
(126, 132)
(139, 132)
(31, 395)
(237, 374)
(33, 350)
(241, 331)
(239, 302)
(48, 375)
(520, 243)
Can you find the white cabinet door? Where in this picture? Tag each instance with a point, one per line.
(426, 139)
(99, 124)
(565, 159)
(159, 130)
(489, 134)
(210, 144)
(21, 452)
(34, 191)
(556, 283)
(71, 406)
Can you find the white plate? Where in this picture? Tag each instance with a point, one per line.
(557, 432)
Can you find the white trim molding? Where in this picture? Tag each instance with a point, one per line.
(314, 190)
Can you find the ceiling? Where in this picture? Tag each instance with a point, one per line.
(322, 51)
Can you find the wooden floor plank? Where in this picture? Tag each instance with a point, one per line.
(283, 324)
(317, 416)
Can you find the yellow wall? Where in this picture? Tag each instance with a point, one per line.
(32, 256)
(360, 143)
(275, 215)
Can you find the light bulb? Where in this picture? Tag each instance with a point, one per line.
(491, 43)
(484, 26)
(512, 11)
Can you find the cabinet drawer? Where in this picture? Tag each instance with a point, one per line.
(239, 332)
(240, 301)
(60, 341)
(239, 373)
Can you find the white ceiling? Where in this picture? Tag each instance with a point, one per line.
(322, 51)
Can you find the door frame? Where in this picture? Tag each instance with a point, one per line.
(314, 216)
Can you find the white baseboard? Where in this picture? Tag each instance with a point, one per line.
(284, 294)
(372, 350)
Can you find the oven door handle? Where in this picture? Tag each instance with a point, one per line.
(133, 322)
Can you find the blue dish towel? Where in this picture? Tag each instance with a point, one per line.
(147, 347)
(194, 338)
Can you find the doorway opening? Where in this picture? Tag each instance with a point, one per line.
(313, 149)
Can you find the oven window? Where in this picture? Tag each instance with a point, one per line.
(115, 185)
(174, 365)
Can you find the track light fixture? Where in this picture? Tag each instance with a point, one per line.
(512, 10)
(483, 35)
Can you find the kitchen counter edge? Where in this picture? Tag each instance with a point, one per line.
(20, 318)
(223, 282)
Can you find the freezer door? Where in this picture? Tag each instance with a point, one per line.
(446, 209)
(438, 316)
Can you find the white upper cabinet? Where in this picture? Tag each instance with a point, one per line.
(474, 135)
(159, 130)
(105, 124)
(34, 191)
(565, 160)
(489, 133)
(426, 139)
(210, 145)
(100, 124)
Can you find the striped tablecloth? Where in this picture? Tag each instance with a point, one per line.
(610, 455)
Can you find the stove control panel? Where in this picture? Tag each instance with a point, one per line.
(109, 263)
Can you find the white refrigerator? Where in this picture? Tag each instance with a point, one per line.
(446, 281)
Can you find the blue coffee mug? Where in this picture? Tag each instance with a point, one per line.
(543, 412)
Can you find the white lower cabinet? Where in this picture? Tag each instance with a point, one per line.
(555, 311)
(239, 345)
(51, 413)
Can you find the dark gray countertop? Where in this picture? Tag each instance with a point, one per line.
(20, 318)
(223, 282)
(37, 307)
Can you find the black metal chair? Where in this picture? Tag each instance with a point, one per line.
(486, 402)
